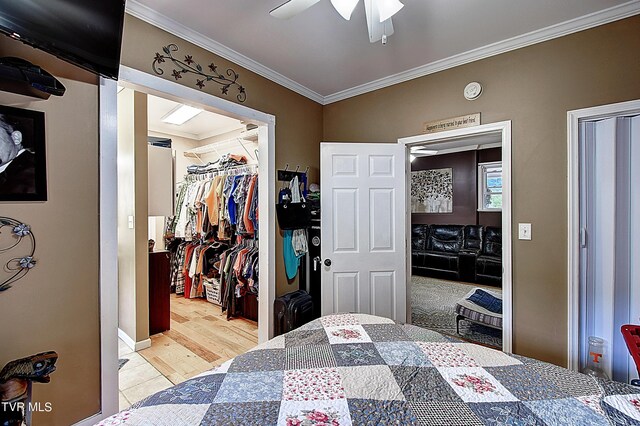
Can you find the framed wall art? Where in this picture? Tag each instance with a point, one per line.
(432, 191)
(23, 166)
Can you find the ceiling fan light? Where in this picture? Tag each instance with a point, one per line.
(345, 7)
(388, 8)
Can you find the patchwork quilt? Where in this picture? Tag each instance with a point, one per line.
(356, 369)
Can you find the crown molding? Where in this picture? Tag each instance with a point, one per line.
(145, 13)
(595, 19)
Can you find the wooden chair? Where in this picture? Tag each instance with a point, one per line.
(631, 334)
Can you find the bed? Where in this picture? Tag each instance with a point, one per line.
(365, 370)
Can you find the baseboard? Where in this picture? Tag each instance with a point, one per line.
(135, 346)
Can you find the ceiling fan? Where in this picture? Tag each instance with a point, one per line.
(379, 13)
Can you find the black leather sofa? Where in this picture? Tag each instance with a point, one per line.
(470, 253)
(489, 261)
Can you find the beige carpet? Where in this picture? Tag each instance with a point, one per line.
(432, 306)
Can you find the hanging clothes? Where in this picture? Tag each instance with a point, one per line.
(291, 261)
(215, 226)
(295, 241)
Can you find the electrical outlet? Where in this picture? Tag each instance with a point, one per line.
(524, 231)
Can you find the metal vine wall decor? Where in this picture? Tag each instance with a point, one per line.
(17, 267)
(189, 66)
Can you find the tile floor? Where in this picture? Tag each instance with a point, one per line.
(138, 378)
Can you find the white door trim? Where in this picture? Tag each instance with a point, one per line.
(573, 212)
(108, 252)
(504, 128)
(108, 222)
(266, 164)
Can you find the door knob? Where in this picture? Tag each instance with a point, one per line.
(316, 261)
(327, 262)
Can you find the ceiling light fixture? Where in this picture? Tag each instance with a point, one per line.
(422, 151)
(181, 114)
(345, 7)
(379, 13)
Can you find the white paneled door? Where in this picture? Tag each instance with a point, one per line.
(363, 229)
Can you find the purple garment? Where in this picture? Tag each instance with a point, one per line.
(232, 202)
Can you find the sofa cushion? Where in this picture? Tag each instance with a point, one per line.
(440, 260)
(445, 238)
(473, 237)
(492, 241)
(419, 234)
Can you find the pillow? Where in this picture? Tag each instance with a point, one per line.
(486, 300)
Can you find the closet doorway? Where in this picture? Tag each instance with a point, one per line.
(459, 232)
(191, 298)
(603, 209)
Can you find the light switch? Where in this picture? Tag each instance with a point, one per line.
(524, 231)
(131, 223)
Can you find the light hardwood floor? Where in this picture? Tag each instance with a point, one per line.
(200, 338)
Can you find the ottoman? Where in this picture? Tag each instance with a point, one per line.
(468, 311)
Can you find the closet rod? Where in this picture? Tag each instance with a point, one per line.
(242, 168)
(211, 147)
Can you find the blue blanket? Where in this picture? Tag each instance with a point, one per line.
(486, 300)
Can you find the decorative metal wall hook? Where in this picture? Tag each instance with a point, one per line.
(17, 267)
(189, 66)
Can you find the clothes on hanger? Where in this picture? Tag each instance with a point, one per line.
(215, 226)
(239, 274)
(295, 241)
(225, 203)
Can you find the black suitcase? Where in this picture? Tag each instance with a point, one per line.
(292, 310)
(300, 311)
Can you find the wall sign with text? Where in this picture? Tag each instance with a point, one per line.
(452, 123)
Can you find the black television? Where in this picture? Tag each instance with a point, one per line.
(87, 33)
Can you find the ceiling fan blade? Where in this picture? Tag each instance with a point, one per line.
(291, 8)
(376, 28)
(388, 8)
(345, 7)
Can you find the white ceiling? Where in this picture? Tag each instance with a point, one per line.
(202, 126)
(319, 54)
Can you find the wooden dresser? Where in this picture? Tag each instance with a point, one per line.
(159, 292)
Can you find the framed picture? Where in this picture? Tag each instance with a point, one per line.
(23, 165)
(432, 191)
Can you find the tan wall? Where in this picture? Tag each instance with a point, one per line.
(55, 307)
(298, 119)
(133, 265)
(534, 87)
